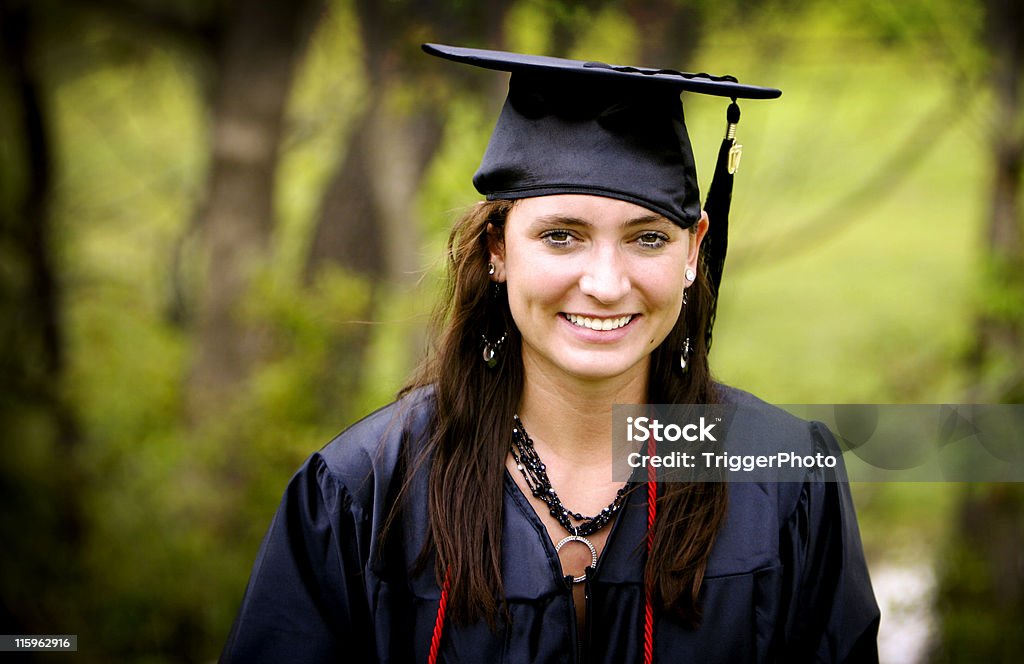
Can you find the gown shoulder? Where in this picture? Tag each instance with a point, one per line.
(365, 456)
(314, 588)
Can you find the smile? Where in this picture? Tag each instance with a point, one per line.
(599, 323)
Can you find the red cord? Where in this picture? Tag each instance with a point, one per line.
(435, 640)
(652, 511)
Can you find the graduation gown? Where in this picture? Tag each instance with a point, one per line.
(786, 580)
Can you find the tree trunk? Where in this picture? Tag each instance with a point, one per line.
(259, 49)
(999, 354)
(368, 224)
(39, 480)
(669, 32)
(980, 599)
(981, 591)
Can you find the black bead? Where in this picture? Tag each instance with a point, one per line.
(535, 474)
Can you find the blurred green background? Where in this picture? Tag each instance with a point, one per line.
(223, 221)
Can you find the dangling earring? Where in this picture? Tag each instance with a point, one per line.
(684, 353)
(492, 348)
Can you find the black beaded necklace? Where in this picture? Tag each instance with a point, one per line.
(535, 473)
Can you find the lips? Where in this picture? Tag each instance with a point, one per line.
(600, 324)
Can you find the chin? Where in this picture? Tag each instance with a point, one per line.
(598, 369)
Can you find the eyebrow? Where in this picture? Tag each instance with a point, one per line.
(568, 220)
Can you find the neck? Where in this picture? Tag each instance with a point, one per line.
(574, 417)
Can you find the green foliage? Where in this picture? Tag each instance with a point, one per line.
(948, 31)
(176, 513)
(981, 598)
(1000, 289)
(905, 522)
(311, 329)
(820, 297)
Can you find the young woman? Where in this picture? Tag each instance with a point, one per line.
(476, 519)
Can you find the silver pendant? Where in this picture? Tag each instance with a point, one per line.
(581, 540)
(490, 356)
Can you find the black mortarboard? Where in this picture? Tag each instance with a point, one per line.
(570, 126)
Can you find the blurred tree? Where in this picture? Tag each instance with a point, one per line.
(981, 591)
(39, 488)
(244, 53)
(367, 222)
(259, 44)
(998, 356)
(980, 599)
(671, 30)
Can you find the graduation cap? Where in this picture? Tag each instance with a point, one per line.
(576, 127)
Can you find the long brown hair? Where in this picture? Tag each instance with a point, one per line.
(470, 437)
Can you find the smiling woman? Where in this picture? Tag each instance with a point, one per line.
(594, 284)
(476, 519)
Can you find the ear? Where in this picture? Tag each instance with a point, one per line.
(496, 251)
(696, 234)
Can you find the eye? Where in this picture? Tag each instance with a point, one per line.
(557, 238)
(652, 240)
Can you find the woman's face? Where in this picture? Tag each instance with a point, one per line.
(594, 284)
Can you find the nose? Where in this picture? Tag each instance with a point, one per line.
(605, 278)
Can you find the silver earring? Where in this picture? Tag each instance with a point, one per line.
(684, 353)
(490, 269)
(490, 355)
(492, 349)
(690, 274)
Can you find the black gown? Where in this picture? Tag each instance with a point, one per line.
(786, 580)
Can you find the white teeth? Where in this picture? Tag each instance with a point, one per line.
(599, 323)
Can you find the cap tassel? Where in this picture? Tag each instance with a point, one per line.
(717, 206)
